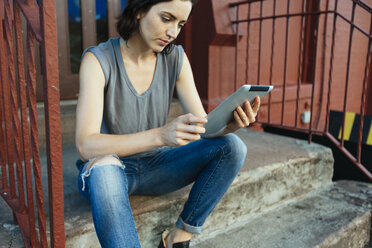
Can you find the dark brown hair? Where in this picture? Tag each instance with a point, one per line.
(128, 22)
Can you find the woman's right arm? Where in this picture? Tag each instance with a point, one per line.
(91, 143)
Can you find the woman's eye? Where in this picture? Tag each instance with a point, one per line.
(181, 25)
(165, 19)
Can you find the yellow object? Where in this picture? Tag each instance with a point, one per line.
(369, 137)
(349, 121)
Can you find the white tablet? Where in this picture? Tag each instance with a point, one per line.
(223, 113)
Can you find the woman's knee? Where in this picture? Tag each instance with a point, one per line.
(103, 170)
(103, 160)
(232, 150)
(234, 145)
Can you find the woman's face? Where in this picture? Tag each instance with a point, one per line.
(163, 22)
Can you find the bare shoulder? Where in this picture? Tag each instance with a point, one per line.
(89, 61)
(91, 71)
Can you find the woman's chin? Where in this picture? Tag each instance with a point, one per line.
(158, 49)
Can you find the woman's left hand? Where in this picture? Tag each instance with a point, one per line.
(245, 117)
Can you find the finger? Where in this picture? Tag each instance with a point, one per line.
(188, 136)
(196, 129)
(190, 118)
(256, 105)
(249, 112)
(182, 142)
(238, 120)
(243, 116)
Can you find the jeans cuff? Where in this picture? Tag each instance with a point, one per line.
(188, 228)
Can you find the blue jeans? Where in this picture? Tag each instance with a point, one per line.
(212, 164)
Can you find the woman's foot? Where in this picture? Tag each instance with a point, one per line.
(177, 236)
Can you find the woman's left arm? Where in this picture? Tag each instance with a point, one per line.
(191, 103)
(186, 91)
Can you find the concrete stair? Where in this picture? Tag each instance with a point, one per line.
(337, 215)
(283, 197)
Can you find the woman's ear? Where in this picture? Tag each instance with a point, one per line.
(140, 15)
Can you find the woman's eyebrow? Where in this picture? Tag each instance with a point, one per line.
(173, 17)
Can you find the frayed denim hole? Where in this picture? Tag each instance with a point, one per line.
(87, 173)
(116, 156)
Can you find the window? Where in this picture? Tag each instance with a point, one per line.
(74, 25)
(101, 21)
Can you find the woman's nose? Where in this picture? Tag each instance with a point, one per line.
(172, 32)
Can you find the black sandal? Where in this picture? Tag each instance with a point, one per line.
(164, 236)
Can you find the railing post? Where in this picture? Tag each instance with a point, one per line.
(52, 121)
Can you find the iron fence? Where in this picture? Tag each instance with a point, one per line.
(317, 53)
(35, 23)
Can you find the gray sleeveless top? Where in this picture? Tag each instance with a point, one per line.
(125, 111)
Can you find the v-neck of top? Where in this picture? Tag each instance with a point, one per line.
(124, 73)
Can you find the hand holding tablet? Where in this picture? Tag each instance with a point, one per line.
(223, 113)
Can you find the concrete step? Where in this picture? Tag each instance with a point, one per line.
(336, 216)
(277, 170)
(68, 109)
(266, 184)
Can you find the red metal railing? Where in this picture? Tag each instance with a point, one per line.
(19, 138)
(319, 49)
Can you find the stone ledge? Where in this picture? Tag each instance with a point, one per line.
(337, 216)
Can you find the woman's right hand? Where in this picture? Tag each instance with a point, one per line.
(180, 132)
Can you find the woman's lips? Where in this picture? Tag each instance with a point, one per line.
(163, 42)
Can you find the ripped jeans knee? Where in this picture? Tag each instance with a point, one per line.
(97, 162)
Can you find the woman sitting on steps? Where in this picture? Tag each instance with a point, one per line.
(126, 145)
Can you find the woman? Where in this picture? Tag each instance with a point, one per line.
(122, 135)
